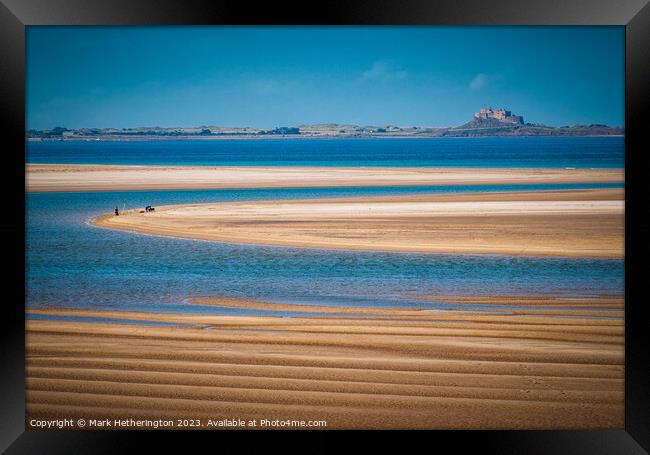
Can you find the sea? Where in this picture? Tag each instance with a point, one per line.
(580, 152)
(70, 263)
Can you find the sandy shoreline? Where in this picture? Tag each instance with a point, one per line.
(77, 177)
(460, 370)
(586, 223)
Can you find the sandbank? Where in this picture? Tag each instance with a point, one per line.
(81, 177)
(585, 223)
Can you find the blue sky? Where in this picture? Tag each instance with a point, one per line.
(283, 76)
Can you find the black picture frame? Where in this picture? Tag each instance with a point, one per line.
(15, 15)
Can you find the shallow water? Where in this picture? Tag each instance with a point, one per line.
(73, 264)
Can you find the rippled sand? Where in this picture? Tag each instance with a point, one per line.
(392, 368)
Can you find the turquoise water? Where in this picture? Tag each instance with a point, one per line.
(580, 152)
(72, 264)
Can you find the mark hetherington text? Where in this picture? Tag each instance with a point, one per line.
(122, 423)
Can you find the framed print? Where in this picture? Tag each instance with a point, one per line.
(373, 217)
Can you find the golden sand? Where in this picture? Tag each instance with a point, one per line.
(392, 368)
(80, 177)
(586, 223)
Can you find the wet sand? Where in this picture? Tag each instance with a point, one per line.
(79, 177)
(533, 302)
(392, 368)
(586, 223)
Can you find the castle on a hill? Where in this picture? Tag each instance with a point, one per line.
(499, 114)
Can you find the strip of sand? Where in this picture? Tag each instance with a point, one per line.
(540, 301)
(79, 177)
(463, 370)
(586, 223)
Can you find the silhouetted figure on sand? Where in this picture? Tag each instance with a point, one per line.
(117, 212)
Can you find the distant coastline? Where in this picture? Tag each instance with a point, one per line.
(112, 138)
(486, 123)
